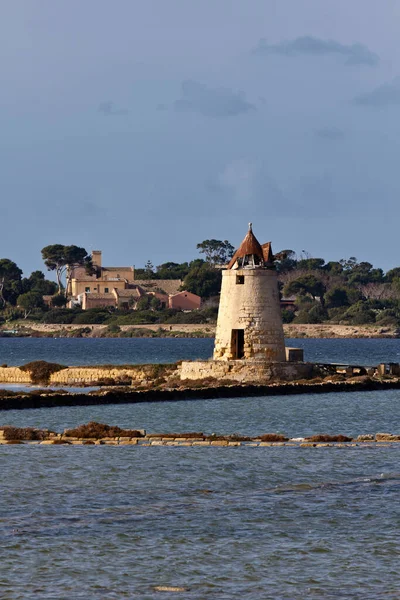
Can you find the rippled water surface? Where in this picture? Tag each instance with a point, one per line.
(96, 522)
(91, 351)
(113, 522)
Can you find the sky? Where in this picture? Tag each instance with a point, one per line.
(143, 127)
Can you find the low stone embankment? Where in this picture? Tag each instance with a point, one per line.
(13, 436)
(50, 399)
(38, 373)
(104, 435)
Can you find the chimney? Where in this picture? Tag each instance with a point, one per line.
(96, 258)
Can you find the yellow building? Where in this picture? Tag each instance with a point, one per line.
(117, 287)
(104, 281)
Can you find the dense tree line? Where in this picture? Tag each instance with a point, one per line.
(345, 291)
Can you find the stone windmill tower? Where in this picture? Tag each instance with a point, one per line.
(249, 325)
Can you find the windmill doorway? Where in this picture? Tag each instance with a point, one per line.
(237, 343)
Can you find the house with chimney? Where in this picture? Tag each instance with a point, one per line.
(117, 287)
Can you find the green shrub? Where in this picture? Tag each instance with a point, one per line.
(287, 316)
(61, 316)
(359, 314)
(93, 316)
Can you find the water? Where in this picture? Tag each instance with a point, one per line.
(91, 351)
(257, 523)
(109, 522)
(304, 414)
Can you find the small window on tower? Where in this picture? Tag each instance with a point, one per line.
(106, 290)
(239, 279)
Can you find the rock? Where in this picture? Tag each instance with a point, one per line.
(170, 588)
(366, 437)
(387, 437)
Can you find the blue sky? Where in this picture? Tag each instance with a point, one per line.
(143, 127)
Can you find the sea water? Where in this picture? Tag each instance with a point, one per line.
(95, 522)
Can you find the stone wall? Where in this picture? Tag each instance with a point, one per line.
(14, 375)
(245, 370)
(250, 301)
(88, 375)
(137, 373)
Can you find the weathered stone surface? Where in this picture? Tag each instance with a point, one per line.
(366, 437)
(14, 375)
(387, 437)
(92, 374)
(245, 370)
(219, 443)
(253, 306)
(170, 588)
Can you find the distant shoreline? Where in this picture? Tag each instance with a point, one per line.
(300, 331)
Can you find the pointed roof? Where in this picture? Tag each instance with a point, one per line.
(251, 246)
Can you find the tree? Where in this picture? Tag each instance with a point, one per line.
(9, 274)
(59, 301)
(392, 274)
(306, 284)
(149, 269)
(311, 264)
(172, 270)
(29, 301)
(217, 252)
(63, 259)
(333, 267)
(285, 261)
(143, 303)
(37, 282)
(155, 303)
(336, 297)
(203, 281)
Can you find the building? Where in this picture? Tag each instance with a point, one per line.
(249, 322)
(103, 281)
(184, 301)
(117, 287)
(249, 342)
